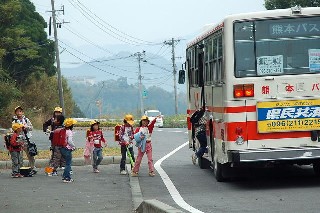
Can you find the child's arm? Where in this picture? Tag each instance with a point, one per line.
(28, 125)
(151, 125)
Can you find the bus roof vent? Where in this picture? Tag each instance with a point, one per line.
(296, 10)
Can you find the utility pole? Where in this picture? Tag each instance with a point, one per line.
(172, 43)
(140, 57)
(56, 48)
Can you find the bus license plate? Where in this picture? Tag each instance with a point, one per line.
(286, 116)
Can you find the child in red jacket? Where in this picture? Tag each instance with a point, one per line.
(146, 128)
(15, 149)
(95, 136)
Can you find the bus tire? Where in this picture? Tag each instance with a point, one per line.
(218, 171)
(203, 163)
(316, 168)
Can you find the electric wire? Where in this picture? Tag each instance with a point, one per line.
(116, 29)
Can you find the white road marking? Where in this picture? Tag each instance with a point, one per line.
(170, 186)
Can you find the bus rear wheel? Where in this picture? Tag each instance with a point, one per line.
(218, 171)
(316, 168)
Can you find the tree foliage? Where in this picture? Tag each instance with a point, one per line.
(281, 4)
(27, 71)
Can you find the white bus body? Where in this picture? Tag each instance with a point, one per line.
(258, 75)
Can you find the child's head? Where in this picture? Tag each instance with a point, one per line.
(16, 127)
(144, 121)
(18, 111)
(69, 122)
(57, 111)
(128, 120)
(94, 125)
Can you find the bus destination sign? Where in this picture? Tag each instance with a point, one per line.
(286, 116)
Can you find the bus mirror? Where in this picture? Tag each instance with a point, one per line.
(182, 76)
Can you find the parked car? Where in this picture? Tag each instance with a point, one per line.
(154, 113)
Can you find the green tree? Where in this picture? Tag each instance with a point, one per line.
(281, 4)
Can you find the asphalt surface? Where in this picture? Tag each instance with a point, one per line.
(107, 191)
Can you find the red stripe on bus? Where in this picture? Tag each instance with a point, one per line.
(238, 109)
(252, 132)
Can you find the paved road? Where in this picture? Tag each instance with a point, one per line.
(283, 189)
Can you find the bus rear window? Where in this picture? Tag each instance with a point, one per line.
(277, 47)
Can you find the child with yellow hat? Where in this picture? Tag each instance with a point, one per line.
(15, 149)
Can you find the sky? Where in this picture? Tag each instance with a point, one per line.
(96, 29)
(147, 20)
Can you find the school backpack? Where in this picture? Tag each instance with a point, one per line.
(116, 133)
(59, 137)
(7, 139)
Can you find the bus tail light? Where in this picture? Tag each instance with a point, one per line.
(239, 138)
(243, 90)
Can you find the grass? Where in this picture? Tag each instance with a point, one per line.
(45, 154)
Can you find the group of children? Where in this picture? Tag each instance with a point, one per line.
(62, 144)
(126, 136)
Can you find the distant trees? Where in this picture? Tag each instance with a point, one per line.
(281, 4)
(27, 71)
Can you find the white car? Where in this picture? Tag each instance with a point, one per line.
(154, 113)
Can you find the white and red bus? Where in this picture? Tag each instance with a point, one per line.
(258, 74)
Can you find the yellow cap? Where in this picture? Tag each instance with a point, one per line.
(94, 122)
(18, 107)
(129, 119)
(16, 126)
(144, 117)
(58, 109)
(69, 122)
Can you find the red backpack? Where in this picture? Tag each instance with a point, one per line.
(59, 137)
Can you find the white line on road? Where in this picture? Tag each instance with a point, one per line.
(170, 186)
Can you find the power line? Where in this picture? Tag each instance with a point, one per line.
(101, 26)
(141, 41)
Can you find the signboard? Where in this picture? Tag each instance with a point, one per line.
(286, 116)
(314, 60)
(270, 65)
(293, 28)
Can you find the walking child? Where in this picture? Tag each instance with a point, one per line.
(145, 132)
(57, 159)
(88, 149)
(54, 122)
(15, 149)
(20, 118)
(67, 148)
(95, 136)
(126, 137)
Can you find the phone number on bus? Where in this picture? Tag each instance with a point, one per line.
(289, 125)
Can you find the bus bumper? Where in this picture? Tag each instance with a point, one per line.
(276, 154)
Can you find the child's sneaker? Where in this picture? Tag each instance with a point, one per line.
(20, 175)
(68, 180)
(194, 159)
(134, 174)
(15, 175)
(96, 171)
(55, 173)
(152, 174)
(123, 172)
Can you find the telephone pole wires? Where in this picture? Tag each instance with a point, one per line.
(140, 57)
(56, 47)
(172, 43)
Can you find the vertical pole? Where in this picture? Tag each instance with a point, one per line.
(174, 78)
(56, 48)
(140, 84)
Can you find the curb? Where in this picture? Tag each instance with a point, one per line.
(156, 207)
(146, 206)
(41, 163)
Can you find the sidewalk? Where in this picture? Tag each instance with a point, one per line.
(107, 191)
